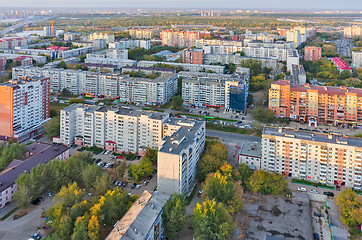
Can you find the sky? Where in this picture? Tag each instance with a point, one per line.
(235, 4)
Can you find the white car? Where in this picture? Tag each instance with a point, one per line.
(314, 191)
(138, 186)
(302, 189)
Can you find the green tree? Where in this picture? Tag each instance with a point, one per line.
(245, 173)
(350, 206)
(177, 102)
(212, 221)
(62, 64)
(264, 115)
(267, 183)
(52, 128)
(345, 74)
(80, 229)
(121, 169)
(143, 169)
(9, 153)
(174, 216)
(90, 176)
(102, 184)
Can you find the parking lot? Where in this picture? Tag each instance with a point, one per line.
(275, 216)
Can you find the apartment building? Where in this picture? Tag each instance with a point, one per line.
(119, 63)
(110, 38)
(120, 129)
(185, 66)
(237, 59)
(178, 156)
(257, 52)
(69, 36)
(312, 53)
(215, 90)
(295, 37)
(357, 59)
(352, 31)
(2, 64)
(250, 154)
(12, 43)
(111, 53)
(36, 153)
(297, 75)
(327, 159)
(130, 44)
(180, 38)
(277, 44)
(193, 56)
(143, 221)
(200, 43)
(75, 52)
(24, 108)
(154, 91)
(292, 58)
(338, 106)
(50, 31)
(147, 70)
(144, 33)
(37, 59)
(24, 61)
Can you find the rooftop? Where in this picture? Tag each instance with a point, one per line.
(139, 219)
(339, 62)
(37, 153)
(313, 136)
(20, 81)
(252, 149)
(149, 69)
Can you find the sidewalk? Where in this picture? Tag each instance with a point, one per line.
(5, 210)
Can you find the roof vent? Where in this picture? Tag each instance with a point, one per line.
(170, 149)
(135, 231)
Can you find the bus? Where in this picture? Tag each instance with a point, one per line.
(207, 118)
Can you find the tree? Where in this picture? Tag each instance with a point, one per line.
(52, 128)
(65, 93)
(177, 102)
(144, 168)
(212, 221)
(9, 153)
(80, 229)
(121, 169)
(350, 207)
(93, 228)
(345, 74)
(245, 173)
(267, 183)
(62, 64)
(90, 176)
(264, 115)
(70, 194)
(101, 184)
(174, 216)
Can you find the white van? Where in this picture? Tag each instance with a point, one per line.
(302, 189)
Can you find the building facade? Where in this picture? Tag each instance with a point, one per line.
(193, 56)
(357, 59)
(144, 33)
(316, 157)
(352, 31)
(24, 108)
(338, 106)
(312, 53)
(179, 38)
(178, 156)
(12, 43)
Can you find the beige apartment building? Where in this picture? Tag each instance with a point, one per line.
(325, 158)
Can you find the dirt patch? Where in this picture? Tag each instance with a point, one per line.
(260, 228)
(261, 209)
(276, 211)
(22, 212)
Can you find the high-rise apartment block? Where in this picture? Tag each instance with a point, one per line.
(328, 159)
(50, 31)
(24, 107)
(128, 89)
(312, 53)
(193, 56)
(357, 59)
(352, 31)
(294, 36)
(215, 90)
(180, 38)
(179, 154)
(12, 43)
(317, 104)
(2, 64)
(108, 37)
(144, 32)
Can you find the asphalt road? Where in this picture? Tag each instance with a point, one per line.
(232, 137)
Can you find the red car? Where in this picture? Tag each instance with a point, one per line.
(119, 157)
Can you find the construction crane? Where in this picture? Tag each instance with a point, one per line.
(52, 23)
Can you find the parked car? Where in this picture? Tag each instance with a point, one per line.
(124, 184)
(120, 184)
(317, 214)
(316, 236)
(103, 164)
(36, 201)
(314, 191)
(99, 164)
(36, 236)
(145, 183)
(103, 151)
(130, 194)
(154, 171)
(329, 194)
(98, 160)
(115, 183)
(302, 189)
(50, 194)
(133, 185)
(150, 177)
(138, 186)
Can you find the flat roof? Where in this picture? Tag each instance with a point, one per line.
(139, 219)
(313, 136)
(252, 149)
(37, 153)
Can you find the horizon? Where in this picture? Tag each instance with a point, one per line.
(307, 5)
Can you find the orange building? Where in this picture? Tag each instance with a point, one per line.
(312, 53)
(317, 104)
(181, 38)
(193, 56)
(24, 108)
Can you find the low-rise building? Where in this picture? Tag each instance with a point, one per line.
(340, 65)
(143, 221)
(292, 58)
(36, 153)
(179, 154)
(250, 154)
(330, 159)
